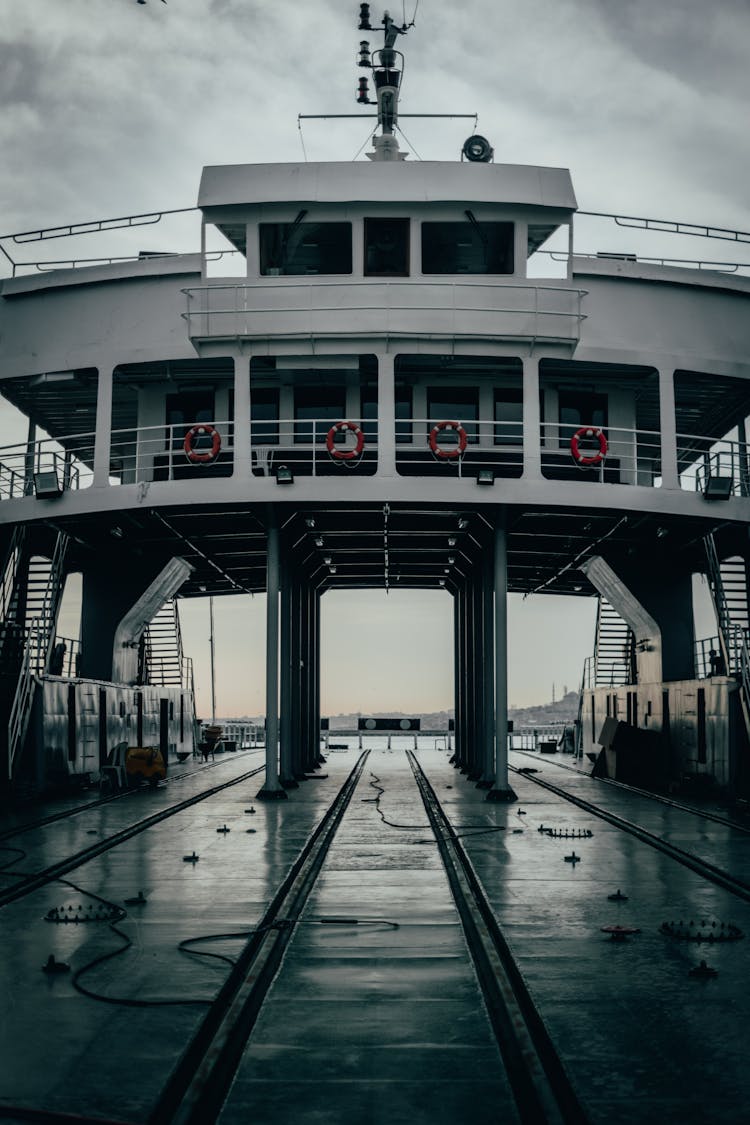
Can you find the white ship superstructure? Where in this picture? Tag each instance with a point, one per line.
(388, 396)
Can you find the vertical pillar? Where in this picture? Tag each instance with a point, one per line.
(319, 759)
(242, 409)
(298, 672)
(386, 416)
(501, 790)
(668, 426)
(532, 434)
(488, 674)
(286, 768)
(460, 735)
(475, 682)
(103, 437)
(272, 788)
(456, 657)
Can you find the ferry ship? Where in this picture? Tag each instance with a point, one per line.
(402, 389)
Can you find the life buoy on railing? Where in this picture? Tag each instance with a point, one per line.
(588, 459)
(448, 453)
(191, 437)
(345, 454)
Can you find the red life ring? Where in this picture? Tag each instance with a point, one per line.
(588, 432)
(345, 454)
(448, 453)
(194, 432)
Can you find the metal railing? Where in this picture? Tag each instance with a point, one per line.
(158, 453)
(71, 464)
(629, 456)
(279, 307)
(699, 458)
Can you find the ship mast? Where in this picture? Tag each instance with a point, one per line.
(386, 64)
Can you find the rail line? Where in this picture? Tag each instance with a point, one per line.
(65, 814)
(33, 882)
(638, 792)
(541, 1087)
(198, 1086)
(700, 866)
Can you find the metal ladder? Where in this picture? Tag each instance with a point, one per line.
(45, 584)
(165, 662)
(613, 649)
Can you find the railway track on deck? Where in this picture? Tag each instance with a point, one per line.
(709, 871)
(541, 1087)
(670, 802)
(33, 882)
(198, 1085)
(66, 814)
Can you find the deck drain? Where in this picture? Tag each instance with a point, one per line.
(70, 915)
(619, 933)
(704, 930)
(566, 833)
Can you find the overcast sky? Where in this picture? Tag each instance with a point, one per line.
(110, 107)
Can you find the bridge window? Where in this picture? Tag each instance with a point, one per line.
(386, 247)
(467, 247)
(305, 248)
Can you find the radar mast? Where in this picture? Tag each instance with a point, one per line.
(387, 66)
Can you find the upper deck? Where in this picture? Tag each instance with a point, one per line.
(413, 302)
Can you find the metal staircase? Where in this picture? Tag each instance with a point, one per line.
(43, 592)
(727, 580)
(12, 631)
(165, 663)
(613, 651)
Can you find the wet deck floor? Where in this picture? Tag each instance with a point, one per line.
(370, 1023)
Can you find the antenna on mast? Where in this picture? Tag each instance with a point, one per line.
(387, 74)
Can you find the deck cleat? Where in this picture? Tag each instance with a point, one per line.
(703, 971)
(139, 900)
(52, 967)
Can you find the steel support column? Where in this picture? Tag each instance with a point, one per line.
(501, 790)
(488, 674)
(286, 733)
(272, 787)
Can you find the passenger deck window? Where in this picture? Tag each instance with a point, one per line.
(467, 247)
(386, 247)
(294, 249)
(580, 409)
(508, 417)
(264, 416)
(454, 404)
(316, 409)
